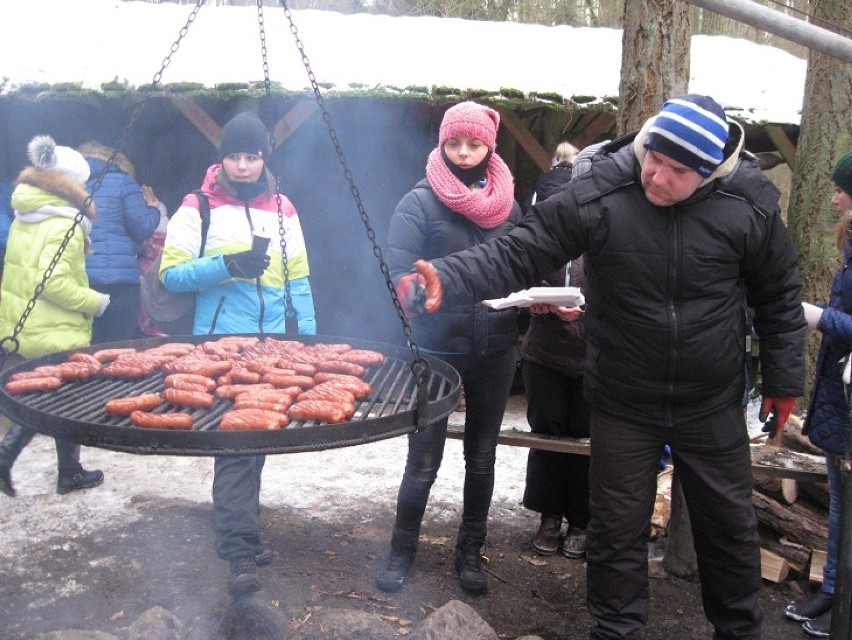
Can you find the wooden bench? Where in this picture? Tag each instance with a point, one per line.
(766, 461)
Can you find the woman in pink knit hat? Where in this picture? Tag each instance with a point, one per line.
(466, 198)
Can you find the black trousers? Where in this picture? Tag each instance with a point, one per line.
(487, 381)
(236, 505)
(713, 460)
(557, 484)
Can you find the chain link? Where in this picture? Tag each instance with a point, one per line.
(84, 209)
(421, 371)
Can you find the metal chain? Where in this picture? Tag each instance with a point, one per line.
(78, 218)
(420, 367)
(289, 309)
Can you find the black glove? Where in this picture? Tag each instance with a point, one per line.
(246, 264)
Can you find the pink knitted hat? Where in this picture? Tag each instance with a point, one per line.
(472, 120)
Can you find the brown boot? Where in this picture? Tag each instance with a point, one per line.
(546, 540)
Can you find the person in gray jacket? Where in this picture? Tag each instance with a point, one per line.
(680, 232)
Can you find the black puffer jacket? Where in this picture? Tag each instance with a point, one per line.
(667, 287)
(423, 227)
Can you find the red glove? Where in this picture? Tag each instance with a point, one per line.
(420, 291)
(777, 410)
(434, 289)
(411, 291)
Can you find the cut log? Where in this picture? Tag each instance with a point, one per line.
(797, 556)
(817, 563)
(798, 522)
(789, 490)
(773, 567)
(795, 441)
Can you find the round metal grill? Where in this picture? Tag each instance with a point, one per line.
(76, 410)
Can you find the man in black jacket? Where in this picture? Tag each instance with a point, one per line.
(681, 233)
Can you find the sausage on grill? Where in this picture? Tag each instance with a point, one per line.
(30, 385)
(126, 406)
(149, 420)
(189, 399)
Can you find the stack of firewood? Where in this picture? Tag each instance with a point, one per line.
(793, 514)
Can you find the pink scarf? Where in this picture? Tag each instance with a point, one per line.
(488, 207)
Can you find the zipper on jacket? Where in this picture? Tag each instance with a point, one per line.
(216, 315)
(258, 288)
(674, 249)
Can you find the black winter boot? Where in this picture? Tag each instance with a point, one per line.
(469, 565)
(399, 563)
(13, 443)
(79, 480)
(243, 581)
(811, 608)
(819, 627)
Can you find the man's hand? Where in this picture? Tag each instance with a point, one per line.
(246, 264)
(777, 410)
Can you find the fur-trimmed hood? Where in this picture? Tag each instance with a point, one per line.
(58, 185)
(94, 149)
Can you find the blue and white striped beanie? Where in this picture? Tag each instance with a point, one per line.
(691, 129)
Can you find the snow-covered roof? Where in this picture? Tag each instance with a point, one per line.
(92, 42)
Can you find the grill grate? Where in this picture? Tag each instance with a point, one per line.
(76, 411)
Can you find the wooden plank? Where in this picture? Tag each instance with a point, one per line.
(792, 464)
(198, 116)
(295, 117)
(818, 559)
(783, 144)
(773, 567)
(522, 135)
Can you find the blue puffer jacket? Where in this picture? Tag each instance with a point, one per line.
(124, 218)
(827, 423)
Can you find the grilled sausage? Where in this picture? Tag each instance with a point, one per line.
(193, 378)
(359, 387)
(126, 406)
(330, 392)
(85, 358)
(246, 401)
(281, 381)
(108, 355)
(131, 370)
(189, 399)
(244, 376)
(30, 385)
(78, 370)
(252, 419)
(364, 357)
(47, 371)
(339, 366)
(148, 420)
(231, 391)
(319, 410)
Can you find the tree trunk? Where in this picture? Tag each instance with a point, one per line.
(655, 59)
(825, 135)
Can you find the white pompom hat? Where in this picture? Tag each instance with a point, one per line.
(46, 155)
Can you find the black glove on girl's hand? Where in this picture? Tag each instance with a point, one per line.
(246, 264)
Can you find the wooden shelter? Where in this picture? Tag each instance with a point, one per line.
(385, 132)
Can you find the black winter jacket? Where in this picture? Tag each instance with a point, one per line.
(667, 287)
(424, 227)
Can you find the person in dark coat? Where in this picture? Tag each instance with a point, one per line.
(555, 180)
(827, 420)
(557, 484)
(466, 198)
(125, 220)
(681, 231)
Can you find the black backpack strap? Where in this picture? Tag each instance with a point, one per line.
(204, 212)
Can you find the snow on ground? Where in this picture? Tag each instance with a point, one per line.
(323, 483)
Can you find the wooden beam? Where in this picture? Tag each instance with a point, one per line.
(209, 128)
(600, 125)
(294, 119)
(528, 143)
(783, 144)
